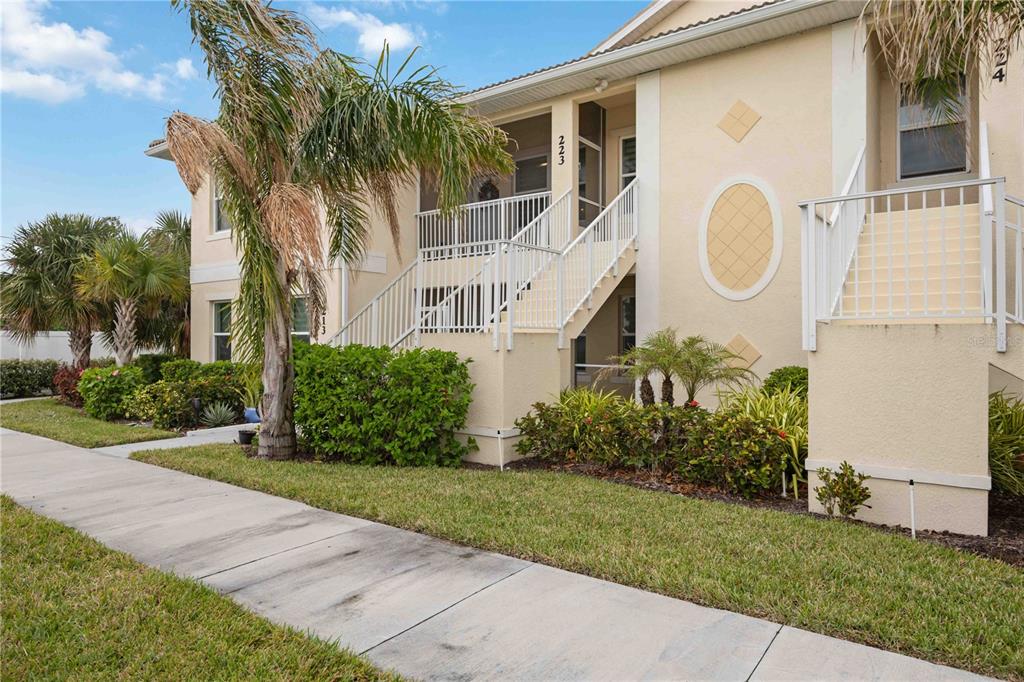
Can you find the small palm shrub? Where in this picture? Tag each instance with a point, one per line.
(843, 491)
(218, 414)
(26, 378)
(1006, 443)
(374, 406)
(792, 377)
(104, 390)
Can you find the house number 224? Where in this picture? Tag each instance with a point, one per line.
(561, 150)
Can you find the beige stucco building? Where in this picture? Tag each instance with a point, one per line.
(745, 171)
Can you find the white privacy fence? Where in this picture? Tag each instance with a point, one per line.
(925, 252)
(48, 346)
(482, 222)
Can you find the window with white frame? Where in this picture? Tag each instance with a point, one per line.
(300, 320)
(531, 174)
(932, 137)
(222, 330)
(220, 218)
(627, 323)
(627, 164)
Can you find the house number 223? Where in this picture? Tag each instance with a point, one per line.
(561, 150)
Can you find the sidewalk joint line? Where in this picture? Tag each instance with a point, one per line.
(450, 606)
(764, 653)
(267, 556)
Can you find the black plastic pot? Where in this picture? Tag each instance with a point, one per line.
(245, 436)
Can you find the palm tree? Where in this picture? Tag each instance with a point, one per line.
(303, 131)
(637, 364)
(170, 327)
(133, 279)
(38, 293)
(703, 363)
(929, 44)
(665, 355)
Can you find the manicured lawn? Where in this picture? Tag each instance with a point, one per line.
(50, 419)
(73, 609)
(832, 577)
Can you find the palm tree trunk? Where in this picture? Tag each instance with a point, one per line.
(124, 330)
(667, 389)
(80, 344)
(646, 392)
(277, 423)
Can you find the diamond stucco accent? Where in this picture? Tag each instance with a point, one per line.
(740, 237)
(742, 347)
(739, 120)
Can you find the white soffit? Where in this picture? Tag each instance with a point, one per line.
(729, 33)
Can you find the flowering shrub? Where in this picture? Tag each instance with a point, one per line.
(104, 390)
(732, 451)
(374, 406)
(843, 491)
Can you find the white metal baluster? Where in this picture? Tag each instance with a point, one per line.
(999, 197)
(942, 236)
(888, 220)
(963, 256)
(924, 249)
(906, 252)
(1018, 294)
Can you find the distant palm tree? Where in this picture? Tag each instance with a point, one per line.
(135, 280)
(702, 363)
(38, 293)
(170, 328)
(303, 133)
(929, 44)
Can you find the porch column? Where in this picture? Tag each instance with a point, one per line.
(564, 148)
(648, 173)
(849, 101)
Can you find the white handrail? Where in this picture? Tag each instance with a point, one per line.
(397, 300)
(483, 221)
(984, 167)
(916, 252)
(856, 173)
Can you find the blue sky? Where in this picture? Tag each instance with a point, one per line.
(86, 85)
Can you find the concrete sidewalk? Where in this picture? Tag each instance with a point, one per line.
(423, 607)
(221, 434)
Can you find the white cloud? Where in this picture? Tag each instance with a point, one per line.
(41, 86)
(373, 32)
(140, 225)
(185, 69)
(55, 62)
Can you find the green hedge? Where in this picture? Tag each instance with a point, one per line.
(374, 406)
(106, 391)
(151, 365)
(793, 376)
(731, 451)
(26, 378)
(168, 404)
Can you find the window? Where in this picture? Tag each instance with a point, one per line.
(627, 323)
(531, 174)
(300, 320)
(628, 169)
(222, 330)
(581, 350)
(220, 220)
(932, 141)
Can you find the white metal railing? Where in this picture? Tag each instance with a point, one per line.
(1013, 237)
(388, 318)
(922, 252)
(536, 279)
(594, 253)
(481, 222)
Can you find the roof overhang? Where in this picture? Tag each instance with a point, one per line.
(635, 27)
(729, 33)
(158, 150)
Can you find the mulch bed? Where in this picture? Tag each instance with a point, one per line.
(1005, 541)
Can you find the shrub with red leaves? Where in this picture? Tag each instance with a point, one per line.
(65, 385)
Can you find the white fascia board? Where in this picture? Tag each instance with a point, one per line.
(159, 151)
(648, 47)
(633, 24)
